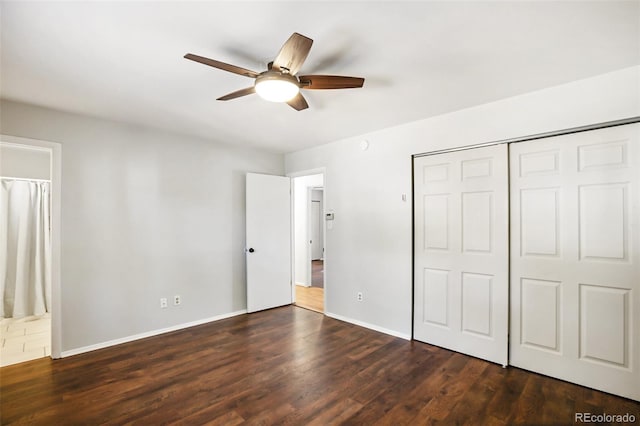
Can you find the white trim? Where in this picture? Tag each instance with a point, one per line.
(24, 143)
(369, 326)
(316, 171)
(152, 333)
(24, 179)
(309, 277)
(55, 173)
(292, 236)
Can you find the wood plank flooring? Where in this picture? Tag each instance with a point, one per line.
(310, 298)
(287, 366)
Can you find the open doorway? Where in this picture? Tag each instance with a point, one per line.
(309, 237)
(26, 255)
(10, 166)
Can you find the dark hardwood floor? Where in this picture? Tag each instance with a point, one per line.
(287, 366)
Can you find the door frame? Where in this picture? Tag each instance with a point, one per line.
(292, 176)
(55, 152)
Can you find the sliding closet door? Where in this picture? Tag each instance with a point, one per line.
(575, 258)
(461, 251)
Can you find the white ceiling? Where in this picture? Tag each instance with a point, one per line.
(124, 60)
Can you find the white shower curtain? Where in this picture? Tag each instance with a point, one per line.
(25, 248)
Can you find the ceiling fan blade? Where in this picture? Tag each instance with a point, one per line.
(237, 94)
(221, 65)
(319, 82)
(293, 53)
(298, 102)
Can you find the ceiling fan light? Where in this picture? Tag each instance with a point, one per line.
(277, 88)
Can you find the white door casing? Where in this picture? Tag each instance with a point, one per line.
(268, 237)
(575, 258)
(461, 251)
(56, 189)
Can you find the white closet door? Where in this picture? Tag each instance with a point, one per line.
(575, 258)
(461, 251)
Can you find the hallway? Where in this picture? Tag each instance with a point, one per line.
(310, 298)
(317, 273)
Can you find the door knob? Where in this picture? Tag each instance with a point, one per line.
(251, 250)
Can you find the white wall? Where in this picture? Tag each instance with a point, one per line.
(24, 162)
(369, 247)
(145, 215)
(301, 226)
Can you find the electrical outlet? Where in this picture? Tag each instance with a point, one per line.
(360, 296)
(163, 303)
(176, 300)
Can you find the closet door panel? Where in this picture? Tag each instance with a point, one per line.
(575, 259)
(461, 251)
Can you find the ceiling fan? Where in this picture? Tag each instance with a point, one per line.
(279, 82)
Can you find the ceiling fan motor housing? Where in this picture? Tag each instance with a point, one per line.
(276, 86)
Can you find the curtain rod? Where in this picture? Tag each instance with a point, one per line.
(25, 179)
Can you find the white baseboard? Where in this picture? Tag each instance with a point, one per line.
(369, 326)
(114, 342)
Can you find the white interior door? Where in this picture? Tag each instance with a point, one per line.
(461, 251)
(316, 231)
(268, 230)
(575, 258)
